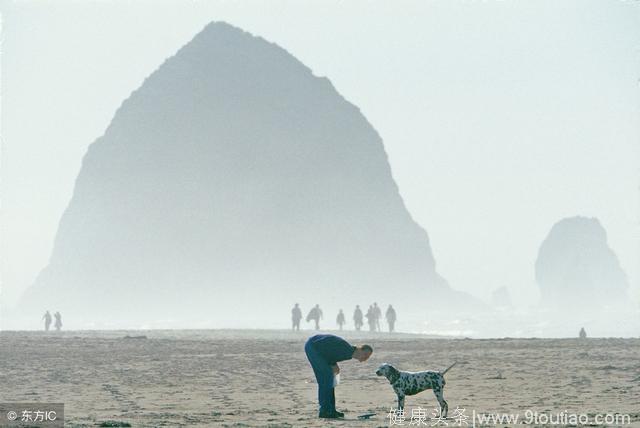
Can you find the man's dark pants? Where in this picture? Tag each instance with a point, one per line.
(324, 377)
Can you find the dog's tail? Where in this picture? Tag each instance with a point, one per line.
(449, 368)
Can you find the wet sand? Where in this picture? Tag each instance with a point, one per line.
(262, 378)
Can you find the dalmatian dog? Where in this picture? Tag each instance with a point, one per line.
(411, 383)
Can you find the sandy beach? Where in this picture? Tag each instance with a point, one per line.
(262, 378)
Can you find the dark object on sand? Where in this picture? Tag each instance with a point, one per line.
(114, 424)
(497, 377)
(135, 337)
(366, 416)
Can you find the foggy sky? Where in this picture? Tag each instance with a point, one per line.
(499, 118)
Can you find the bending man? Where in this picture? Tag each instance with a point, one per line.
(324, 351)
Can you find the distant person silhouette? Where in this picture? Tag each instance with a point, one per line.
(58, 323)
(371, 318)
(296, 316)
(583, 333)
(390, 315)
(377, 314)
(315, 314)
(340, 319)
(47, 320)
(357, 318)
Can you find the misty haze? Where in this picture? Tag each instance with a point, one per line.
(219, 187)
(234, 182)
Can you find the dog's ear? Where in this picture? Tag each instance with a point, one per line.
(394, 374)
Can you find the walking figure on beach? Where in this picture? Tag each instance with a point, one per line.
(371, 318)
(315, 314)
(340, 319)
(583, 333)
(391, 318)
(357, 318)
(47, 320)
(58, 323)
(377, 314)
(296, 316)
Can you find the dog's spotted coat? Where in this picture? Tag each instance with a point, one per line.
(411, 383)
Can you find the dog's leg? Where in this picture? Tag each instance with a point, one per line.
(400, 401)
(444, 407)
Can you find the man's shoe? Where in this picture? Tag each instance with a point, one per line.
(331, 415)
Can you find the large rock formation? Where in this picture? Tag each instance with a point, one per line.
(234, 176)
(576, 267)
